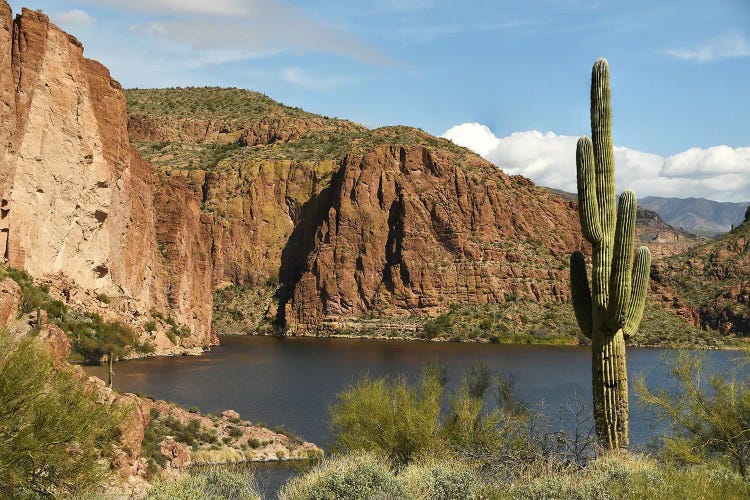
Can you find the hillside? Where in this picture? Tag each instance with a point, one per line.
(290, 220)
(352, 222)
(714, 278)
(651, 230)
(334, 228)
(697, 215)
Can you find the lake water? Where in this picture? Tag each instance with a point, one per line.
(291, 381)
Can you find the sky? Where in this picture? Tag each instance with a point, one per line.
(509, 79)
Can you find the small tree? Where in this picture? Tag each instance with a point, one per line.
(53, 432)
(709, 416)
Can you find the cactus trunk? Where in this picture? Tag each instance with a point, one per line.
(612, 307)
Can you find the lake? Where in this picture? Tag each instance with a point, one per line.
(291, 381)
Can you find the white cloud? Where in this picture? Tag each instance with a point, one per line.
(718, 173)
(75, 17)
(726, 47)
(214, 7)
(301, 78)
(253, 28)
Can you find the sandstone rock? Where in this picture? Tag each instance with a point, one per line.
(75, 197)
(56, 340)
(230, 414)
(10, 301)
(176, 453)
(409, 231)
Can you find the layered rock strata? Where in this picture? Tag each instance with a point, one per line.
(75, 196)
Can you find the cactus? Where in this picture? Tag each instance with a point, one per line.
(612, 307)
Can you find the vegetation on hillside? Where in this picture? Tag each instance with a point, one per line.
(91, 336)
(55, 438)
(207, 102)
(706, 275)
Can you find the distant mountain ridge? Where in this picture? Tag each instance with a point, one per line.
(697, 215)
(651, 230)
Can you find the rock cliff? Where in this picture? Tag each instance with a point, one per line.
(714, 280)
(413, 229)
(75, 196)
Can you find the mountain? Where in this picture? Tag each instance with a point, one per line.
(156, 207)
(651, 230)
(79, 207)
(697, 215)
(714, 278)
(351, 222)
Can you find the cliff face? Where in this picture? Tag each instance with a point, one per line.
(76, 197)
(413, 229)
(714, 279)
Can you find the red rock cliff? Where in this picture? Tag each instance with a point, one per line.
(75, 196)
(412, 230)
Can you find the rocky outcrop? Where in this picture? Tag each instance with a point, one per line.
(411, 230)
(75, 196)
(10, 301)
(714, 280)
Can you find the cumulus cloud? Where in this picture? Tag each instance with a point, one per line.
(727, 47)
(719, 173)
(75, 17)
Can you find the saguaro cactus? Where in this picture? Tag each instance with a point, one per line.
(613, 306)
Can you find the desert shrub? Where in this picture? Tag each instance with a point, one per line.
(359, 476)
(53, 432)
(709, 416)
(626, 476)
(439, 480)
(388, 416)
(213, 484)
(404, 421)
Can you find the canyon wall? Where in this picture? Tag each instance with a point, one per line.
(416, 229)
(77, 199)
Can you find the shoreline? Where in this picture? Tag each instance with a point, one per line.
(381, 337)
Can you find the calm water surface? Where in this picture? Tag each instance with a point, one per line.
(291, 381)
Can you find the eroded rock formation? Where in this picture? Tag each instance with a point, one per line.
(75, 196)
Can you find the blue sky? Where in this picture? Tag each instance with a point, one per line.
(681, 68)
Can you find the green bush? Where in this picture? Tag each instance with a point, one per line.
(404, 421)
(53, 432)
(710, 418)
(214, 484)
(360, 476)
(388, 416)
(440, 480)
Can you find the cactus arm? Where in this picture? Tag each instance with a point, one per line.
(588, 210)
(580, 293)
(622, 260)
(604, 152)
(641, 270)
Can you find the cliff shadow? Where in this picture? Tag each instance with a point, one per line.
(301, 242)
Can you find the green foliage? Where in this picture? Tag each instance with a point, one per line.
(624, 476)
(437, 479)
(214, 484)
(242, 309)
(91, 336)
(360, 476)
(521, 321)
(404, 421)
(710, 417)
(389, 416)
(53, 431)
(103, 298)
